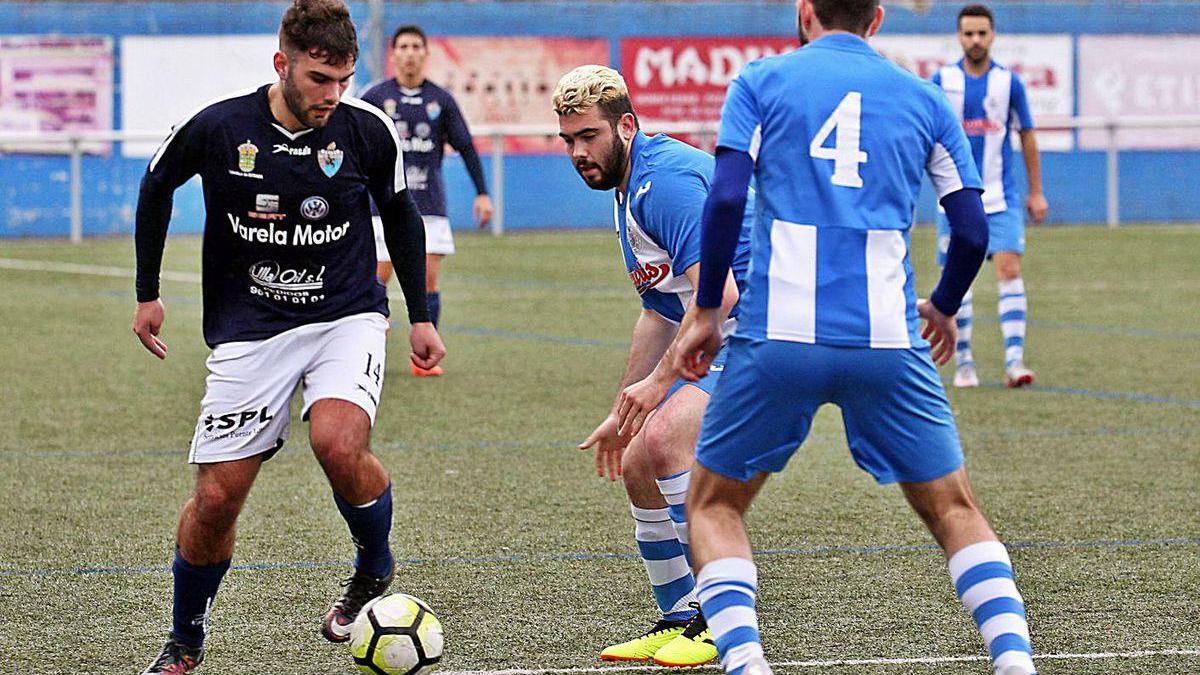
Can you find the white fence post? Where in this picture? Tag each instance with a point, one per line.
(1113, 186)
(76, 191)
(498, 183)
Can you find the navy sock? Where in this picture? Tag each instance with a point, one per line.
(370, 526)
(434, 300)
(195, 588)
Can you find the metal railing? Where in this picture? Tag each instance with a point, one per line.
(74, 146)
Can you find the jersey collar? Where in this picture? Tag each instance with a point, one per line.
(843, 42)
(962, 65)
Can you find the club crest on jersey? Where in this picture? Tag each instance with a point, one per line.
(433, 109)
(329, 159)
(247, 153)
(645, 277)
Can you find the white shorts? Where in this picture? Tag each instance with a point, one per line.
(246, 409)
(439, 239)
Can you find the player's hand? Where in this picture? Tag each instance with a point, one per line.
(609, 446)
(147, 322)
(698, 342)
(427, 347)
(1038, 207)
(637, 402)
(940, 330)
(482, 208)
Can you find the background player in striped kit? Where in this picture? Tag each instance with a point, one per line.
(830, 314)
(990, 99)
(648, 438)
(427, 118)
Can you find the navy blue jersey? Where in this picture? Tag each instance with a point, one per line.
(426, 119)
(287, 234)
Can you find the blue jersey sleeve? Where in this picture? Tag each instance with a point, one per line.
(670, 210)
(740, 121)
(937, 78)
(1020, 104)
(950, 164)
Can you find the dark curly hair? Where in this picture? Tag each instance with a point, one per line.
(320, 28)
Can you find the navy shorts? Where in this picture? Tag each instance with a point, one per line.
(898, 422)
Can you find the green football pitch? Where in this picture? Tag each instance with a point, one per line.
(1091, 476)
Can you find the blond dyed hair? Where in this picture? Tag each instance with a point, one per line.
(592, 86)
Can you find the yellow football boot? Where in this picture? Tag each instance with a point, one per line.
(644, 646)
(693, 647)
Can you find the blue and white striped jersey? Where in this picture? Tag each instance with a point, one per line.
(989, 106)
(841, 139)
(658, 222)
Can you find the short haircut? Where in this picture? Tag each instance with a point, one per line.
(849, 15)
(321, 29)
(598, 86)
(977, 10)
(410, 29)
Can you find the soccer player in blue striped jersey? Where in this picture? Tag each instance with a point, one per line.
(830, 314)
(648, 438)
(990, 100)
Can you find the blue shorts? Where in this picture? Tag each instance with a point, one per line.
(898, 422)
(706, 384)
(1006, 233)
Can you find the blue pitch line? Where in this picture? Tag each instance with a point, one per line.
(1100, 329)
(1134, 396)
(815, 551)
(831, 436)
(480, 331)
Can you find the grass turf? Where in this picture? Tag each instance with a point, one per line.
(523, 552)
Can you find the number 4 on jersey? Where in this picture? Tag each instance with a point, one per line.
(846, 155)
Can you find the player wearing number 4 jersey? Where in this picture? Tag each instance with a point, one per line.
(830, 314)
(290, 301)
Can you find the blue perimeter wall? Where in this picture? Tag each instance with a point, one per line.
(543, 191)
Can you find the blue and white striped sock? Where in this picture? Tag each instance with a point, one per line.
(728, 587)
(1013, 308)
(666, 565)
(983, 577)
(964, 319)
(674, 490)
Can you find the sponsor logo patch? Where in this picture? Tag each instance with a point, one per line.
(239, 424)
(294, 152)
(314, 208)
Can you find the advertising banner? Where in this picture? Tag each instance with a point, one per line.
(509, 80)
(684, 79)
(1045, 63)
(1155, 75)
(55, 84)
(165, 78)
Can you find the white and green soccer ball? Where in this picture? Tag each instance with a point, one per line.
(396, 635)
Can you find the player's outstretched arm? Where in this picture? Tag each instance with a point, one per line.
(652, 336)
(150, 238)
(1036, 202)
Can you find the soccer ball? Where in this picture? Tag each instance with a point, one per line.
(396, 635)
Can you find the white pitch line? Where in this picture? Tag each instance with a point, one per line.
(926, 660)
(91, 270)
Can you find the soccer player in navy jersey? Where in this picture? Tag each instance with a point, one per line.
(427, 118)
(290, 300)
(648, 437)
(830, 314)
(990, 99)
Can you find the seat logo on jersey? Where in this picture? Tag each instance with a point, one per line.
(329, 159)
(247, 153)
(314, 208)
(645, 277)
(266, 203)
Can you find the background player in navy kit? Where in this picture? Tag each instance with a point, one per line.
(427, 118)
(290, 299)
